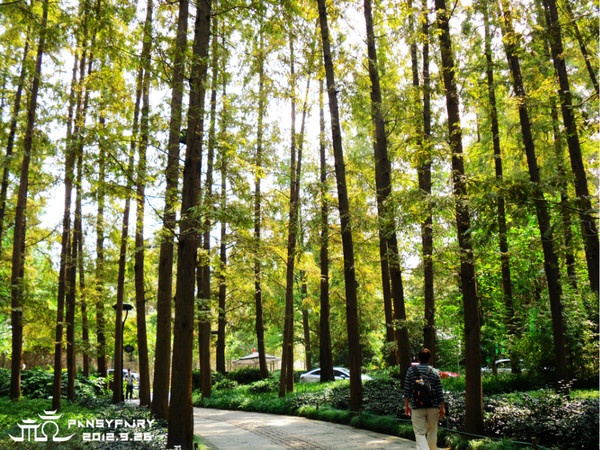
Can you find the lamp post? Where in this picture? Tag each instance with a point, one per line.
(118, 377)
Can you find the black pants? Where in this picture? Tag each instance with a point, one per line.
(129, 392)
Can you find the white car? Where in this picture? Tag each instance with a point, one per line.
(502, 366)
(339, 373)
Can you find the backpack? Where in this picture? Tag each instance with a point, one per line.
(422, 393)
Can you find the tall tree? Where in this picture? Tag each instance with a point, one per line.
(588, 223)
(325, 356)
(100, 256)
(286, 381)
(162, 361)
(541, 205)
(501, 208)
(204, 307)
(424, 179)
(85, 330)
(472, 329)
(65, 242)
(223, 161)
(297, 141)
(118, 396)
(258, 162)
(83, 95)
(383, 183)
(305, 321)
(222, 296)
(140, 285)
(181, 431)
(354, 353)
(16, 280)
(11, 136)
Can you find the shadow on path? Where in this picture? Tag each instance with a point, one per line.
(222, 429)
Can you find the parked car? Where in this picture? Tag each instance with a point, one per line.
(339, 373)
(502, 366)
(443, 373)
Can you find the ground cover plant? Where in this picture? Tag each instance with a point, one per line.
(518, 410)
(93, 403)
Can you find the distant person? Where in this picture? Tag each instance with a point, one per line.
(129, 378)
(424, 401)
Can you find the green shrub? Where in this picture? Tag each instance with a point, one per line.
(509, 382)
(383, 396)
(245, 376)
(550, 418)
(225, 384)
(325, 414)
(263, 386)
(93, 386)
(37, 383)
(380, 424)
(4, 382)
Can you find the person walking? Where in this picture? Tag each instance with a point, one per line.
(424, 401)
(129, 378)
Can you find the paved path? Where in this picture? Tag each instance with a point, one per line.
(221, 429)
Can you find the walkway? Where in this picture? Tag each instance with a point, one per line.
(221, 429)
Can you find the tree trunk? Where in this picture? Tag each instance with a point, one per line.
(18, 256)
(354, 352)
(565, 207)
(85, 332)
(325, 356)
(541, 206)
(100, 199)
(259, 325)
(588, 223)
(221, 323)
(383, 182)
(501, 212)
(205, 302)
(222, 296)
(65, 247)
(71, 292)
(72, 263)
(11, 139)
(472, 330)
(305, 324)
(162, 360)
(424, 178)
(286, 382)
(181, 431)
(140, 291)
(119, 321)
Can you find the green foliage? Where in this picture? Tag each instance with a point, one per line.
(384, 424)
(503, 382)
(245, 376)
(4, 382)
(552, 420)
(325, 414)
(37, 383)
(225, 384)
(263, 386)
(12, 413)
